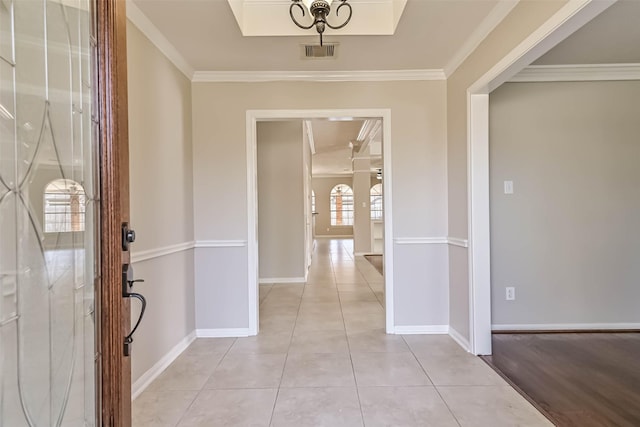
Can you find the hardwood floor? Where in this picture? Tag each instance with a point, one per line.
(575, 379)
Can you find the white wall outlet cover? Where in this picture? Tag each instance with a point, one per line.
(508, 187)
(510, 293)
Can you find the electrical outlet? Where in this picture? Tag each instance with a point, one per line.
(508, 187)
(510, 293)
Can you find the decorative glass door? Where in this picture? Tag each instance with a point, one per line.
(48, 213)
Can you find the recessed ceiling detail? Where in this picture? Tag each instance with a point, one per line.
(271, 18)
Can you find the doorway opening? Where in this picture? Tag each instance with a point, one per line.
(566, 21)
(343, 210)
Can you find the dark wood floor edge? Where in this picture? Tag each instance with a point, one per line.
(487, 360)
(567, 331)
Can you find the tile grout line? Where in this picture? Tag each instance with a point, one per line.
(205, 383)
(353, 370)
(286, 357)
(431, 381)
(371, 289)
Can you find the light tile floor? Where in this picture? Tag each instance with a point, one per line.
(322, 359)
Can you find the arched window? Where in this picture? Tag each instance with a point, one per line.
(64, 206)
(341, 205)
(376, 202)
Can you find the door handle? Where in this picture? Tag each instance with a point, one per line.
(128, 340)
(127, 283)
(128, 237)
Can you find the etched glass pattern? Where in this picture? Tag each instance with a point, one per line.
(47, 272)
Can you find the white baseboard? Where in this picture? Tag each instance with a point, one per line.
(460, 339)
(336, 236)
(147, 378)
(565, 326)
(222, 333)
(272, 280)
(421, 329)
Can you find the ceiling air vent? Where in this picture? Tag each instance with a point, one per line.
(312, 51)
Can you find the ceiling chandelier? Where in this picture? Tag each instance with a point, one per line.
(319, 9)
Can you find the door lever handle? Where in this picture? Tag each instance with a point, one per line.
(127, 283)
(128, 340)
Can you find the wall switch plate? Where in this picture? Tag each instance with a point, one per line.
(508, 187)
(510, 293)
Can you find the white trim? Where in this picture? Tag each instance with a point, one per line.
(460, 339)
(140, 20)
(272, 280)
(421, 329)
(308, 128)
(252, 117)
(253, 275)
(387, 217)
(578, 73)
(223, 333)
(420, 240)
(566, 21)
(317, 76)
(479, 223)
(488, 24)
(573, 15)
(152, 373)
(220, 243)
(565, 326)
(454, 241)
(140, 256)
(335, 236)
(332, 175)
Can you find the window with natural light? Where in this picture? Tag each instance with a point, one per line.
(64, 206)
(376, 202)
(341, 205)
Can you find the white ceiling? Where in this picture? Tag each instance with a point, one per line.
(331, 141)
(430, 35)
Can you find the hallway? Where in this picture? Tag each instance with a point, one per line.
(322, 359)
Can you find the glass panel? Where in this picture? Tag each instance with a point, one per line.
(48, 215)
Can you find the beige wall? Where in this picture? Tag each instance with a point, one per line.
(161, 187)
(525, 18)
(567, 239)
(418, 129)
(281, 216)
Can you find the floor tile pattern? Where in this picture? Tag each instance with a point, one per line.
(322, 359)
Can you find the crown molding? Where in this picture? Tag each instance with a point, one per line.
(577, 73)
(140, 20)
(488, 24)
(317, 76)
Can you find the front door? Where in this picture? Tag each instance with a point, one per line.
(59, 348)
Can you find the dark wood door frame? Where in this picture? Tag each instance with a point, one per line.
(114, 370)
